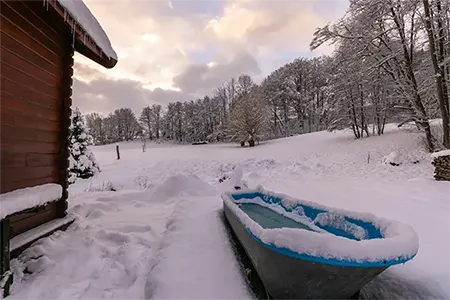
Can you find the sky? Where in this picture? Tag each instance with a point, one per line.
(179, 50)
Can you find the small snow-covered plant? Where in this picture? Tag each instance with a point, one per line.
(143, 181)
(82, 162)
(104, 186)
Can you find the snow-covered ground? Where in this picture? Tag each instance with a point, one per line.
(159, 235)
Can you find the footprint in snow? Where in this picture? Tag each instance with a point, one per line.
(114, 237)
(95, 214)
(136, 228)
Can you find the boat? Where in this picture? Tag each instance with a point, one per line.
(305, 250)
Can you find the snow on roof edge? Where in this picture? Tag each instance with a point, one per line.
(81, 13)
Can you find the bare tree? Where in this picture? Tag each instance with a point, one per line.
(437, 41)
(157, 111)
(94, 122)
(249, 118)
(146, 119)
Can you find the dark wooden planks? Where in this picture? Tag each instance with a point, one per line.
(19, 146)
(14, 119)
(23, 222)
(37, 19)
(23, 51)
(9, 27)
(25, 92)
(25, 75)
(11, 186)
(15, 21)
(28, 107)
(31, 65)
(20, 160)
(66, 102)
(22, 63)
(28, 173)
(26, 134)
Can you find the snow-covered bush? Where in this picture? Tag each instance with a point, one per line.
(82, 162)
(72, 163)
(394, 159)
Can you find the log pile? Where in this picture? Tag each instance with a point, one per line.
(441, 165)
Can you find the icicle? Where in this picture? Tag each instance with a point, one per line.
(73, 37)
(46, 4)
(84, 38)
(65, 15)
(43, 2)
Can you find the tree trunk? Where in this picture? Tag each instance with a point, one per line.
(417, 99)
(354, 121)
(363, 118)
(439, 75)
(442, 41)
(286, 118)
(355, 131)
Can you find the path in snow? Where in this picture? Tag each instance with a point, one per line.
(196, 261)
(105, 254)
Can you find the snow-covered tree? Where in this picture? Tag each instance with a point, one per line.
(82, 162)
(95, 123)
(392, 36)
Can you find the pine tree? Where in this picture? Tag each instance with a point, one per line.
(82, 160)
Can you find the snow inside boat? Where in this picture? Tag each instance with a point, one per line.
(303, 250)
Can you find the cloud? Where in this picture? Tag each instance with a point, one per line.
(190, 47)
(105, 95)
(203, 78)
(279, 25)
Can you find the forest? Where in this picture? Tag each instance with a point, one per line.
(391, 63)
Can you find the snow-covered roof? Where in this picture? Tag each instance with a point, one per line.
(81, 13)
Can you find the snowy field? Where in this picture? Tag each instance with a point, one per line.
(158, 234)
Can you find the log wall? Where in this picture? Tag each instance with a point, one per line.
(36, 77)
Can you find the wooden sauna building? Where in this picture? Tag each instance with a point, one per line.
(38, 40)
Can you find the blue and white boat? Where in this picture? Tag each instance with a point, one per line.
(303, 250)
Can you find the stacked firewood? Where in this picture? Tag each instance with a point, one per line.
(441, 165)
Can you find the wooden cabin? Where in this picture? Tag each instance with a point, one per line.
(38, 40)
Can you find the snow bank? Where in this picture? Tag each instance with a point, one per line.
(30, 197)
(81, 13)
(181, 185)
(440, 153)
(394, 158)
(399, 243)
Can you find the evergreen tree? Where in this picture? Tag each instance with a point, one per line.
(82, 160)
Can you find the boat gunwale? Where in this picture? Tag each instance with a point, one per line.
(343, 262)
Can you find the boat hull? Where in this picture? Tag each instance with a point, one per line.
(286, 277)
